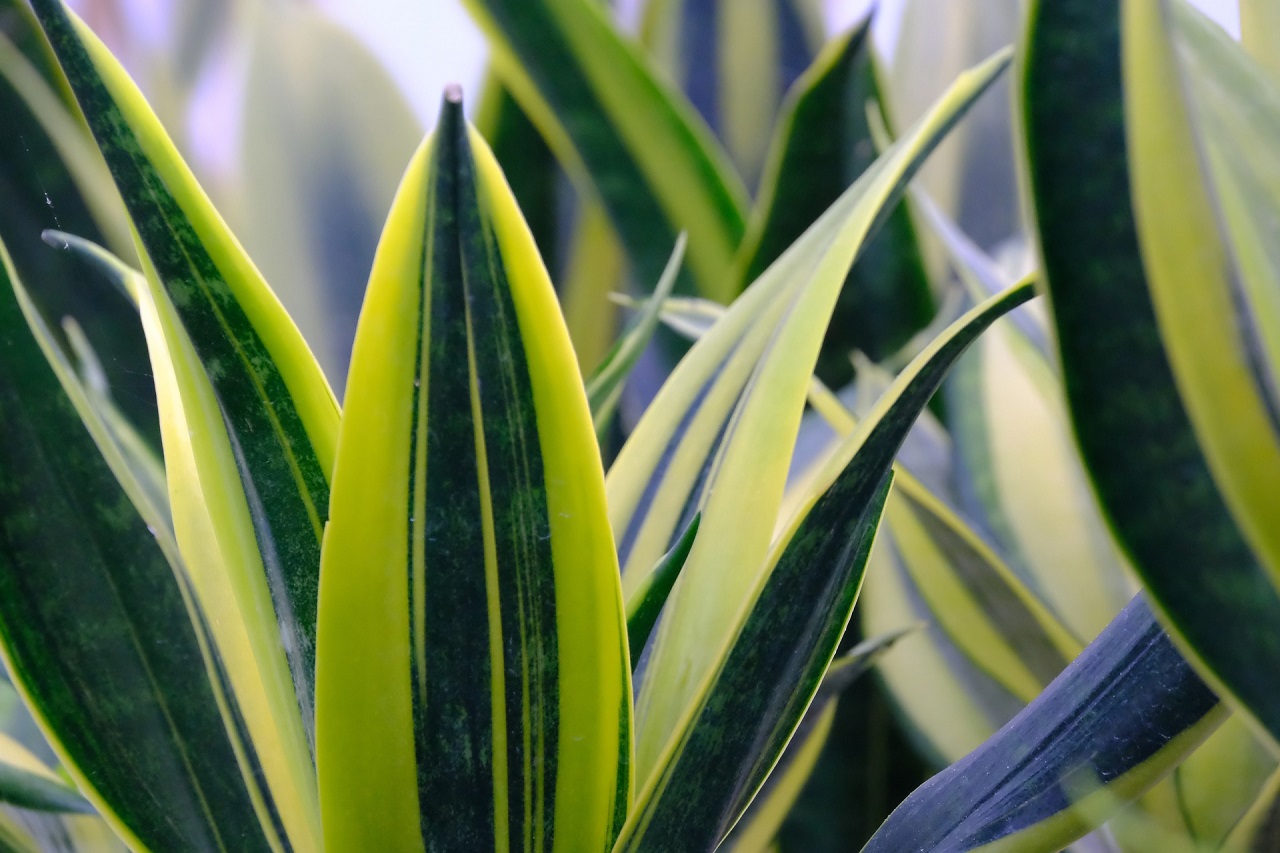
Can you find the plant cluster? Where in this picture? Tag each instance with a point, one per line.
(488, 603)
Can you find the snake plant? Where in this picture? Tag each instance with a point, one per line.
(430, 618)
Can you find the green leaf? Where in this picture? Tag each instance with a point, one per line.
(709, 440)
(622, 135)
(26, 783)
(474, 686)
(646, 602)
(1259, 27)
(735, 60)
(1204, 165)
(97, 623)
(1117, 719)
(780, 791)
(604, 388)
(821, 145)
(1132, 426)
(740, 721)
(51, 176)
(248, 421)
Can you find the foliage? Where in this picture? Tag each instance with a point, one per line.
(431, 618)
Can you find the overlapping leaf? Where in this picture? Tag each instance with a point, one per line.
(623, 136)
(1133, 427)
(473, 689)
(1119, 717)
(86, 580)
(707, 440)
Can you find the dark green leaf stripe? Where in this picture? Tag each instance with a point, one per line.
(95, 630)
(559, 85)
(823, 143)
(485, 689)
(285, 479)
(1133, 429)
(760, 695)
(1121, 714)
(469, 526)
(647, 601)
(760, 692)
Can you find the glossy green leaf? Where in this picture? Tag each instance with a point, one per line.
(1133, 429)
(604, 388)
(709, 439)
(622, 135)
(51, 176)
(646, 601)
(821, 145)
(98, 626)
(473, 689)
(734, 60)
(1207, 205)
(739, 722)
(1117, 719)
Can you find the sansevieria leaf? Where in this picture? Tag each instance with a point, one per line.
(1133, 427)
(627, 138)
(709, 439)
(1120, 716)
(473, 689)
(84, 581)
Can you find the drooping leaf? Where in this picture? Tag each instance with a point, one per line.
(474, 687)
(822, 144)
(709, 439)
(98, 627)
(741, 719)
(1131, 423)
(624, 136)
(1119, 717)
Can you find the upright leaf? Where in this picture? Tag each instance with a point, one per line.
(623, 136)
(474, 684)
(709, 439)
(822, 143)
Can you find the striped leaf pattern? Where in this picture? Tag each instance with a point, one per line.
(1124, 389)
(624, 136)
(1117, 719)
(474, 684)
(85, 580)
(280, 416)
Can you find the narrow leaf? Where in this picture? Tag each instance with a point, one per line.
(474, 690)
(1118, 718)
(621, 133)
(646, 602)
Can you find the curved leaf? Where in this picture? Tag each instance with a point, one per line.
(1131, 424)
(474, 686)
(1118, 718)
